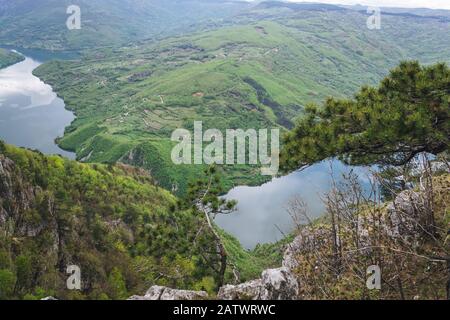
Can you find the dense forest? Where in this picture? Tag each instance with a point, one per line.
(124, 232)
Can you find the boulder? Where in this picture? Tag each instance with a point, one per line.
(279, 284)
(244, 291)
(404, 213)
(275, 284)
(306, 241)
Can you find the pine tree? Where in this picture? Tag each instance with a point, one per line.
(407, 114)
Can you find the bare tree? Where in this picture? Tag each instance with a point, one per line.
(407, 238)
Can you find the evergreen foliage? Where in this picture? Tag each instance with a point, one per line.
(407, 114)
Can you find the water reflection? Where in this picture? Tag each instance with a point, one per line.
(262, 210)
(31, 114)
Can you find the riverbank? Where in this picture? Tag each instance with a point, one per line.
(9, 58)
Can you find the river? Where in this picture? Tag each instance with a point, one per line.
(31, 114)
(261, 215)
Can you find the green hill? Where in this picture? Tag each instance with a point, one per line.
(258, 70)
(112, 221)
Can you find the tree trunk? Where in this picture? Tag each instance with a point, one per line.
(221, 248)
(448, 279)
(223, 264)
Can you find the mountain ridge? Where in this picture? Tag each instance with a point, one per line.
(104, 23)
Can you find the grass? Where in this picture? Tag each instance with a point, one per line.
(251, 263)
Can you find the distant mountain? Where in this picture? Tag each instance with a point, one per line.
(42, 23)
(105, 23)
(299, 6)
(424, 12)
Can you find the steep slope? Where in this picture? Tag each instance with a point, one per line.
(258, 71)
(42, 23)
(111, 221)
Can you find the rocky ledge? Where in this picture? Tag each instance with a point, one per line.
(164, 293)
(274, 284)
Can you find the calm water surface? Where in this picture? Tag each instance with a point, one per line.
(31, 114)
(261, 215)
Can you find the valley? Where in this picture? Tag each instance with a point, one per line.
(87, 176)
(123, 230)
(259, 70)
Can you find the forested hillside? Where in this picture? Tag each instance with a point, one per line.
(123, 232)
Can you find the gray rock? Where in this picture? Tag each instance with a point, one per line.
(307, 240)
(138, 298)
(404, 215)
(275, 284)
(164, 293)
(279, 284)
(245, 291)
